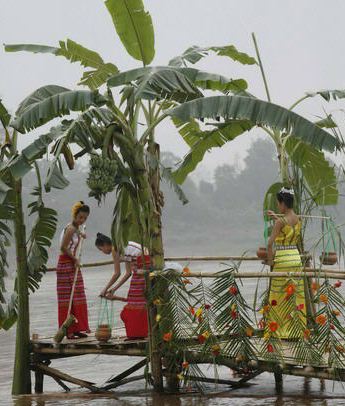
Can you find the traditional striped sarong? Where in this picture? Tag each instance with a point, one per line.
(65, 276)
(287, 259)
(134, 314)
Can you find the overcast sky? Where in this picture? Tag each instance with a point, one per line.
(302, 45)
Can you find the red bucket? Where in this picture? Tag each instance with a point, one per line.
(135, 319)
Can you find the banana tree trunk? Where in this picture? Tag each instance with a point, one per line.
(21, 374)
(157, 256)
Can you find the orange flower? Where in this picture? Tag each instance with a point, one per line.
(290, 289)
(186, 282)
(307, 333)
(321, 319)
(315, 286)
(273, 326)
(186, 270)
(185, 365)
(324, 299)
(340, 348)
(249, 332)
(167, 337)
(336, 312)
(192, 310)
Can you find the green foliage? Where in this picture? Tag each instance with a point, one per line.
(51, 101)
(202, 141)
(74, 52)
(260, 113)
(316, 170)
(195, 53)
(40, 239)
(204, 80)
(134, 27)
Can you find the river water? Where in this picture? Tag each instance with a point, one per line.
(296, 391)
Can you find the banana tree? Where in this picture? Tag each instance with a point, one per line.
(120, 111)
(31, 251)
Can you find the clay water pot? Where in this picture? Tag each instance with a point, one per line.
(262, 253)
(103, 333)
(329, 258)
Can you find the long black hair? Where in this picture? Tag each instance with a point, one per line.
(102, 240)
(286, 196)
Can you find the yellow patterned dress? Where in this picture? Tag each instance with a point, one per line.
(286, 297)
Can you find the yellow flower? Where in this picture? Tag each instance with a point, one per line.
(198, 313)
(180, 377)
(206, 334)
(233, 307)
(267, 336)
(158, 318)
(157, 302)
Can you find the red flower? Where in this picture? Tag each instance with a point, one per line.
(185, 365)
(273, 326)
(233, 314)
(167, 337)
(300, 306)
(233, 290)
(192, 310)
(331, 326)
(307, 333)
(270, 348)
(207, 306)
(201, 338)
(337, 284)
(274, 302)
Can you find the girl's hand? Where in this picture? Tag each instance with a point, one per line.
(103, 293)
(271, 213)
(83, 235)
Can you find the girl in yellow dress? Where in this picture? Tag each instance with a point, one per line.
(287, 313)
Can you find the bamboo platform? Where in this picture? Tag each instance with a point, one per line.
(44, 351)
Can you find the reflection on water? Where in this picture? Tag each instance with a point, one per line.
(296, 391)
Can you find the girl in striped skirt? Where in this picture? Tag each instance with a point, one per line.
(68, 261)
(134, 314)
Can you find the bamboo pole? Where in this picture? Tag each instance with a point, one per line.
(173, 259)
(65, 377)
(265, 274)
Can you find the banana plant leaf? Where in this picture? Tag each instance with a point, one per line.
(134, 27)
(328, 95)
(55, 177)
(74, 52)
(5, 116)
(260, 113)
(317, 171)
(202, 141)
(195, 53)
(52, 101)
(204, 80)
(166, 84)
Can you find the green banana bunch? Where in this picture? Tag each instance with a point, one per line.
(101, 179)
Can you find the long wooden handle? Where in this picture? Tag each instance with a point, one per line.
(77, 268)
